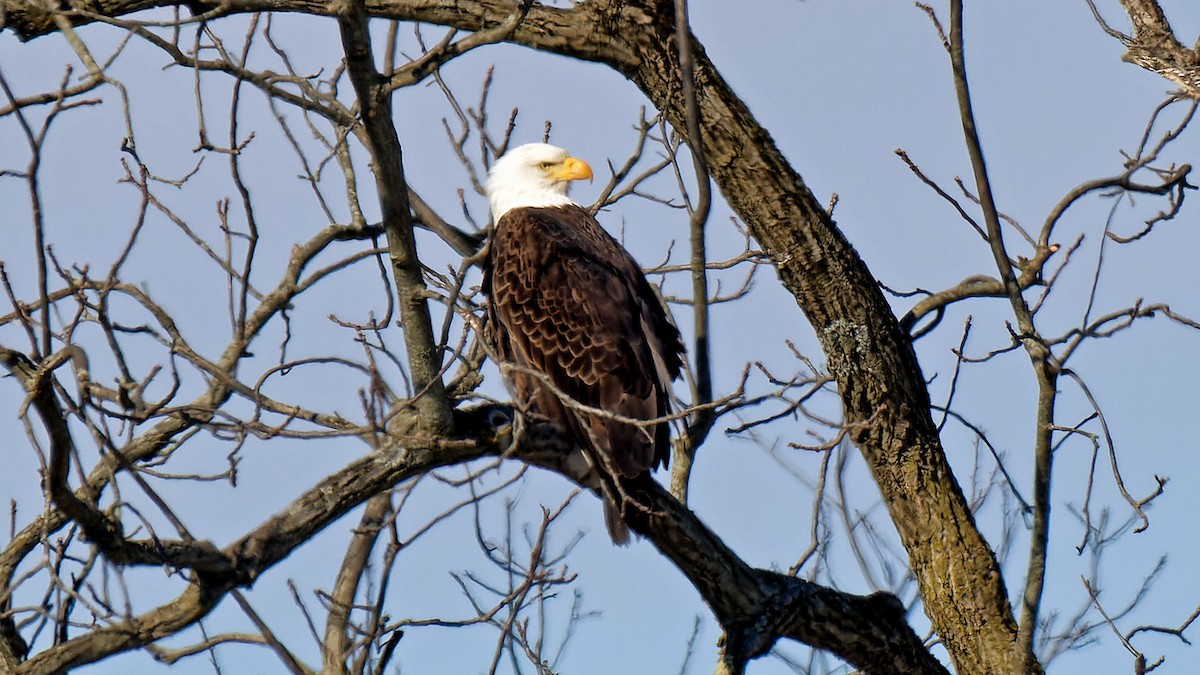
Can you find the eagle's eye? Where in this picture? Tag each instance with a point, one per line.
(545, 166)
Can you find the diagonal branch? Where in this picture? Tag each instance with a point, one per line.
(699, 424)
(424, 357)
(756, 607)
(336, 646)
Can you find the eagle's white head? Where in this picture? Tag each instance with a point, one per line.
(533, 175)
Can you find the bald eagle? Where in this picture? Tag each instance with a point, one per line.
(571, 312)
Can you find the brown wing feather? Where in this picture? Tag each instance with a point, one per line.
(567, 301)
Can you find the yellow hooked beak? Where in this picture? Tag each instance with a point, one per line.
(571, 169)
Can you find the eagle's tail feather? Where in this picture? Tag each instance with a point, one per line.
(618, 530)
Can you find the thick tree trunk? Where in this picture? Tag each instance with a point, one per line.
(882, 388)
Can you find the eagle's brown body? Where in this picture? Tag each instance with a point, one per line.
(569, 306)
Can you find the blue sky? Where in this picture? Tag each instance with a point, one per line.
(840, 86)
